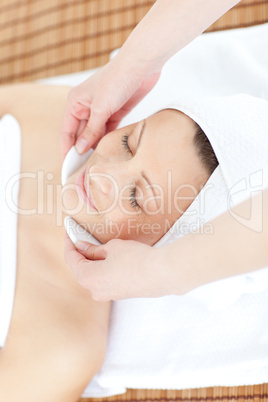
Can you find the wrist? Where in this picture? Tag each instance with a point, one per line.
(182, 274)
(133, 61)
(169, 276)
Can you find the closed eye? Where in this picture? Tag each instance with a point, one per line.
(124, 141)
(133, 199)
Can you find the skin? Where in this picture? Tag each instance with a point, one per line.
(58, 335)
(175, 176)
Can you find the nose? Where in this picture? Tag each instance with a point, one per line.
(98, 176)
(110, 178)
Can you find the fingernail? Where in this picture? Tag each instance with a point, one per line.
(81, 145)
(82, 245)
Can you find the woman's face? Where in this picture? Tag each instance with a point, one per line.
(139, 180)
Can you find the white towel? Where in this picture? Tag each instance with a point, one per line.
(10, 146)
(180, 342)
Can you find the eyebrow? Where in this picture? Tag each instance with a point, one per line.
(142, 173)
(140, 134)
(146, 178)
(151, 186)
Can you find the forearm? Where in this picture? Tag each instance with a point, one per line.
(232, 249)
(168, 27)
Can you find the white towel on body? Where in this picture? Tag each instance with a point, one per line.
(210, 336)
(10, 148)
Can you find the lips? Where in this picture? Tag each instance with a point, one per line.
(84, 193)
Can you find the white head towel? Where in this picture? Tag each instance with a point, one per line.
(237, 128)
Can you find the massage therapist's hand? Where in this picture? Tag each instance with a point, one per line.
(119, 269)
(97, 106)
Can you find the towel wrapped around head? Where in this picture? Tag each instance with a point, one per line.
(237, 128)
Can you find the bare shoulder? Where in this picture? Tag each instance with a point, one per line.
(32, 100)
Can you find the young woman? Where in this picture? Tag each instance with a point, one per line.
(58, 333)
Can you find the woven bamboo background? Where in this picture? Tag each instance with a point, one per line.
(43, 38)
(254, 393)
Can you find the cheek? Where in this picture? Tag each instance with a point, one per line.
(183, 198)
(121, 224)
(142, 228)
(116, 224)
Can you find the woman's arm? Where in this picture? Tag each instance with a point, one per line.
(167, 28)
(106, 97)
(123, 269)
(238, 244)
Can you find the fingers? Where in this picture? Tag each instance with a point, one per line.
(82, 126)
(90, 251)
(74, 120)
(69, 127)
(92, 133)
(78, 263)
(87, 103)
(71, 255)
(83, 267)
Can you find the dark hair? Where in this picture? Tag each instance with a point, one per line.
(205, 150)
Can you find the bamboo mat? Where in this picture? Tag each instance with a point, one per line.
(253, 393)
(43, 38)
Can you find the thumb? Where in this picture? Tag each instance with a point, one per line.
(91, 134)
(90, 251)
